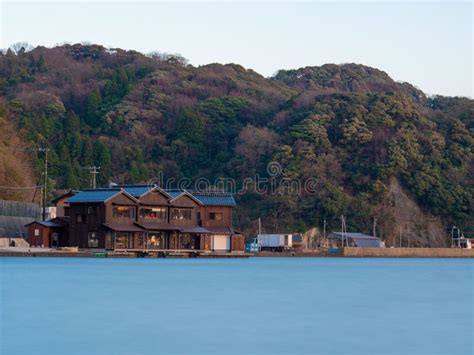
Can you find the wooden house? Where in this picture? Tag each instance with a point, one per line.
(61, 203)
(53, 233)
(215, 215)
(141, 218)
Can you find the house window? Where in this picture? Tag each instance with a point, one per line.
(158, 213)
(66, 211)
(37, 232)
(156, 241)
(123, 212)
(122, 240)
(91, 210)
(181, 214)
(93, 240)
(80, 218)
(216, 216)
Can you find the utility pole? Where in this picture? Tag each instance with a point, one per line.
(400, 229)
(342, 231)
(345, 231)
(452, 236)
(343, 227)
(259, 226)
(94, 170)
(374, 226)
(45, 184)
(324, 232)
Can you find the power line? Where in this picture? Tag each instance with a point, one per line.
(22, 149)
(21, 188)
(94, 171)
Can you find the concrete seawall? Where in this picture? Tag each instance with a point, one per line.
(73, 253)
(348, 252)
(409, 252)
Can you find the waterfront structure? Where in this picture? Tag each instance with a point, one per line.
(53, 233)
(338, 239)
(214, 214)
(137, 218)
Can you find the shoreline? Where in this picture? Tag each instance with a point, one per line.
(350, 252)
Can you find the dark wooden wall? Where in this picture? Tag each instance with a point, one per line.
(154, 198)
(206, 242)
(237, 242)
(119, 200)
(78, 232)
(42, 238)
(226, 216)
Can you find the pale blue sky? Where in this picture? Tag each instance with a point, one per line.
(428, 44)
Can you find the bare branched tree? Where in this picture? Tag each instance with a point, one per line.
(168, 57)
(21, 47)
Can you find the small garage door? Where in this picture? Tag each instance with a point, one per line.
(221, 242)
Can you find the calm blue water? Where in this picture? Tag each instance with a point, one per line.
(245, 306)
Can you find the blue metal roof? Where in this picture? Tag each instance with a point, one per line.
(137, 191)
(359, 239)
(353, 235)
(216, 199)
(174, 193)
(101, 195)
(367, 242)
(208, 198)
(93, 196)
(49, 223)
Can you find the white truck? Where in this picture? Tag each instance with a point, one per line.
(274, 242)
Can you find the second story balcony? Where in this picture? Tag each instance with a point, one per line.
(123, 214)
(153, 214)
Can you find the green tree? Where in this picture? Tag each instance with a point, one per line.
(190, 127)
(93, 115)
(313, 131)
(103, 158)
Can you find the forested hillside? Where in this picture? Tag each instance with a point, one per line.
(377, 148)
(16, 163)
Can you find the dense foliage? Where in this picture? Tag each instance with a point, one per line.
(350, 126)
